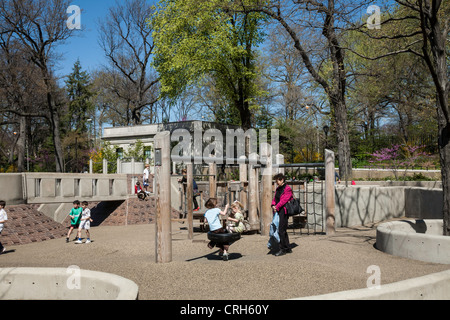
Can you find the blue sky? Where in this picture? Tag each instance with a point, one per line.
(84, 45)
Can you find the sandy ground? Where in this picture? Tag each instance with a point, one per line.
(319, 264)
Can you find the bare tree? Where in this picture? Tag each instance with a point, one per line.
(40, 25)
(324, 20)
(126, 39)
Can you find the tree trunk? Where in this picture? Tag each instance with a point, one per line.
(340, 115)
(444, 152)
(59, 156)
(55, 126)
(21, 142)
(434, 40)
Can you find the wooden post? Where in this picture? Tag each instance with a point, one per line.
(266, 194)
(189, 199)
(329, 192)
(163, 232)
(213, 180)
(243, 178)
(253, 196)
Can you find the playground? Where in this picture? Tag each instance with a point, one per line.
(319, 264)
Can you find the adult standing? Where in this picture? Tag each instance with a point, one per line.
(195, 187)
(146, 176)
(283, 195)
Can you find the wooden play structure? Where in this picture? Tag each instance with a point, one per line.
(254, 190)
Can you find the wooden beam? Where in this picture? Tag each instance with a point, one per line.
(163, 232)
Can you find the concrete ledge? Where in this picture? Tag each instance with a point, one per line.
(64, 284)
(431, 287)
(415, 239)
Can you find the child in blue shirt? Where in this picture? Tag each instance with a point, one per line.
(212, 215)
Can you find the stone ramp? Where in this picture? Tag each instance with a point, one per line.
(27, 225)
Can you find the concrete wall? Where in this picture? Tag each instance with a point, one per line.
(11, 188)
(360, 205)
(416, 239)
(430, 287)
(60, 188)
(386, 173)
(64, 284)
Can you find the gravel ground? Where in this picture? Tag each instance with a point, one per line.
(319, 264)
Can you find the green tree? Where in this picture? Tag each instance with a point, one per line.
(80, 93)
(195, 40)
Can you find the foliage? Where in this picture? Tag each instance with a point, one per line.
(79, 92)
(400, 156)
(196, 39)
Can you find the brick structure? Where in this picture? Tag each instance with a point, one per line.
(26, 224)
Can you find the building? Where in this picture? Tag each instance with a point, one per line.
(122, 138)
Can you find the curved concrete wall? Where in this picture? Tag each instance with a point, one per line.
(431, 287)
(64, 284)
(418, 240)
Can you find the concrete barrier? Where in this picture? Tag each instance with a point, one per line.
(419, 240)
(430, 287)
(64, 284)
(361, 205)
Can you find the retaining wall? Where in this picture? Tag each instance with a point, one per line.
(419, 240)
(64, 284)
(361, 205)
(430, 287)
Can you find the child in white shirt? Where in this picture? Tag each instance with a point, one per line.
(3, 219)
(85, 222)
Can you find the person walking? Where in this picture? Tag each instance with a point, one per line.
(85, 223)
(3, 219)
(283, 195)
(145, 177)
(75, 215)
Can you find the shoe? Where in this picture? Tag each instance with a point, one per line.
(288, 250)
(3, 250)
(67, 240)
(225, 257)
(280, 253)
(197, 209)
(78, 241)
(88, 241)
